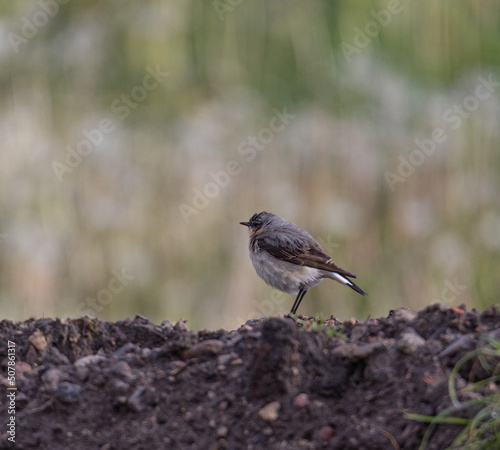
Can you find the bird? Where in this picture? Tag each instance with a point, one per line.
(289, 259)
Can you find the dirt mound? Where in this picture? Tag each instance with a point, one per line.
(273, 383)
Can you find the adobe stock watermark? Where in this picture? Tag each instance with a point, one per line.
(224, 6)
(12, 389)
(92, 305)
(248, 150)
(372, 29)
(121, 107)
(454, 118)
(450, 292)
(43, 13)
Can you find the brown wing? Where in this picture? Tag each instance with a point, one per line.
(293, 250)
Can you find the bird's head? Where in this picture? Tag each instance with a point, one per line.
(258, 220)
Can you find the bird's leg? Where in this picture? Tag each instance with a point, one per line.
(297, 301)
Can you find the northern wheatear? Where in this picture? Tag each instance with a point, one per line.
(289, 259)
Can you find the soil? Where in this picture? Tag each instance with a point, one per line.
(273, 383)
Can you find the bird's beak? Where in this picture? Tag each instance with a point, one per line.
(247, 224)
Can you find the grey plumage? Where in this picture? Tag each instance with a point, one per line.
(289, 259)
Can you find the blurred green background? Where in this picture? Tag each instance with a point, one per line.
(117, 119)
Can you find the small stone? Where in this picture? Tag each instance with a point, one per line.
(409, 342)
(463, 343)
(209, 347)
(301, 401)
(68, 392)
(270, 411)
(268, 431)
(31, 355)
(38, 340)
(222, 432)
(141, 319)
(126, 348)
(404, 315)
(225, 358)
(117, 386)
(89, 360)
(121, 400)
(223, 405)
(51, 379)
(134, 401)
(326, 433)
(180, 325)
(166, 325)
(440, 306)
(356, 352)
(122, 370)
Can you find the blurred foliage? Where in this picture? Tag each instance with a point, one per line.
(111, 240)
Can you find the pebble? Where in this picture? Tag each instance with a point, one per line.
(51, 379)
(440, 306)
(122, 370)
(166, 325)
(270, 411)
(118, 386)
(31, 355)
(89, 360)
(128, 347)
(301, 401)
(134, 401)
(404, 315)
(409, 341)
(226, 357)
(38, 340)
(68, 392)
(180, 325)
(354, 351)
(326, 433)
(208, 347)
(463, 343)
(222, 432)
(268, 431)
